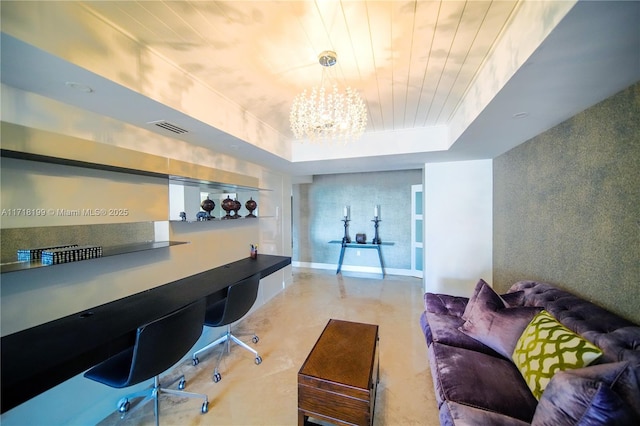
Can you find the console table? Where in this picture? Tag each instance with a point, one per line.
(41, 357)
(363, 246)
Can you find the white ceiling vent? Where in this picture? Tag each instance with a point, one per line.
(170, 127)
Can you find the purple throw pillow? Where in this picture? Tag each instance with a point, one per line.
(512, 299)
(492, 323)
(472, 300)
(606, 394)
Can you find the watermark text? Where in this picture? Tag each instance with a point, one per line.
(36, 212)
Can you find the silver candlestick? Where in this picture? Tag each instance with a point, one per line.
(346, 238)
(376, 239)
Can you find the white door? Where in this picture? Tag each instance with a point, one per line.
(417, 231)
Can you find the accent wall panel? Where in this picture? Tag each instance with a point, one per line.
(567, 206)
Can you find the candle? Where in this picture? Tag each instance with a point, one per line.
(345, 211)
(375, 211)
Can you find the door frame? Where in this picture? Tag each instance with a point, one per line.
(415, 189)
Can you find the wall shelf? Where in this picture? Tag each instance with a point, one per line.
(187, 197)
(217, 219)
(190, 222)
(106, 252)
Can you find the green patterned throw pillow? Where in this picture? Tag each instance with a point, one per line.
(546, 347)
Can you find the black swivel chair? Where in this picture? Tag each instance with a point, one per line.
(159, 345)
(240, 298)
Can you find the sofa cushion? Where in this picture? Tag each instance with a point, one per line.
(445, 304)
(454, 414)
(455, 305)
(602, 394)
(445, 329)
(513, 299)
(426, 329)
(480, 380)
(618, 338)
(622, 344)
(494, 325)
(546, 347)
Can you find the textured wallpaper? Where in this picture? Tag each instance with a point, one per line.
(567, 207)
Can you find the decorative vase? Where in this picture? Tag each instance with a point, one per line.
(236, 206)
(228, 205)
(208, 205)
(251, 205)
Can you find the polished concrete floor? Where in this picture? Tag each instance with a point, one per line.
(288, 326)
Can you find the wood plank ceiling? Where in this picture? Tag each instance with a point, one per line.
(411, 61)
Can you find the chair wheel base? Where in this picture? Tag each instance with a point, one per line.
(217, 377)
(255, 339)
(258, 360)
(123, 405)
(182, 384)
(195, 360)
(205, 407)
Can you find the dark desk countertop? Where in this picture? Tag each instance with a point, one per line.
(39, 358)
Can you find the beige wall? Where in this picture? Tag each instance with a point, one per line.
(66, 289)
(566, 207)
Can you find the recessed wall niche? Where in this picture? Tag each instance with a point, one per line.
(104, 235)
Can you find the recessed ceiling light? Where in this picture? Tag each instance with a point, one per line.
(520, 115)
(79, 86)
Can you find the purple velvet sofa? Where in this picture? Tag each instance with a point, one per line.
(477, 385)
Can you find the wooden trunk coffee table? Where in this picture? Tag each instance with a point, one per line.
(338, 380)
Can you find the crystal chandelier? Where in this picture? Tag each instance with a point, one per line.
(326, 114)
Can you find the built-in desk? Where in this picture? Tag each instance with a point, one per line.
(360, 246)
(39, 358)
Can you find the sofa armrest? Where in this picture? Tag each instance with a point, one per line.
(445, 304)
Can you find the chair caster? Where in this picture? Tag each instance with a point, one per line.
(182, 384)
(255, 339)
(205, 407)
(258, 360)
(123, 405)
(195, 360)
(216, 377)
